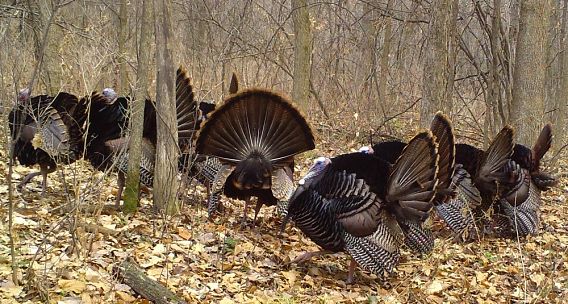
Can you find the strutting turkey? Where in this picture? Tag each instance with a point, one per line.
(363, 205)
(390, 151)
(47, 130)
(255, 135)
(107, 141)
(518, 209)
(474, 184)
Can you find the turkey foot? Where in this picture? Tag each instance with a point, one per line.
(308, 256)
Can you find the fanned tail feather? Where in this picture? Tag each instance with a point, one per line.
(442, 130)
(496, 156)
(255, 121)
(413, 179)
(186, 108)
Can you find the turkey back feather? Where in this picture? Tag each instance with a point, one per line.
(389, 150)
(107, 120)
(255, 123)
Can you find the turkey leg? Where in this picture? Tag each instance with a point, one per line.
(27, 179)
(244, 219)
(351, 273)
(45, 170)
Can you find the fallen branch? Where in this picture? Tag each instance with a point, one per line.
(94, 228)
(133, 276)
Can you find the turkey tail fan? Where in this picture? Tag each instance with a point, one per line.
(255, 123)
(497, 155)
(541, 146)
(186, 109)
(413, 179)
(443, 132)
(234, 86)
(53, 135)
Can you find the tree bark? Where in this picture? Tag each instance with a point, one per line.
(131, 193)
(167, 152)
(438, 78)
(530, 68)
(384, 63)
(122, 37)
(302, 53)
(561, 110)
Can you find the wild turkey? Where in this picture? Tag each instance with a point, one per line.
(390, 151)
(255, 135)
(108, 141)
(518, 209)
(466, 200)
(47, 130)
(363, 205)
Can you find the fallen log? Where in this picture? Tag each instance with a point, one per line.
(133, 276)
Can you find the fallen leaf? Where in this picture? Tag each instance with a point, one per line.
(435, 287)
(75, 286)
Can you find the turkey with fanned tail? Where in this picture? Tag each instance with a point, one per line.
(418, 237)
(107, 139)
(361, 204)
(255, 135)
(519, 207)
(47, 130)
(474, 184)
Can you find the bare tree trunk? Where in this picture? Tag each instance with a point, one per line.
(302, 52)
(494, 98)
(530, 69)
(122, 36)
(439, 62)
(384, 63)
(132, 191)
(561, 109)
(165, 176)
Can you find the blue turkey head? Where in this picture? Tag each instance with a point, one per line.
(366, 150)
(110, 94)
(319, 166)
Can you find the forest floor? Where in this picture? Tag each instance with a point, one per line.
(62, 259)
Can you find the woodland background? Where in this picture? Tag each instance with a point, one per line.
(362, 71)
